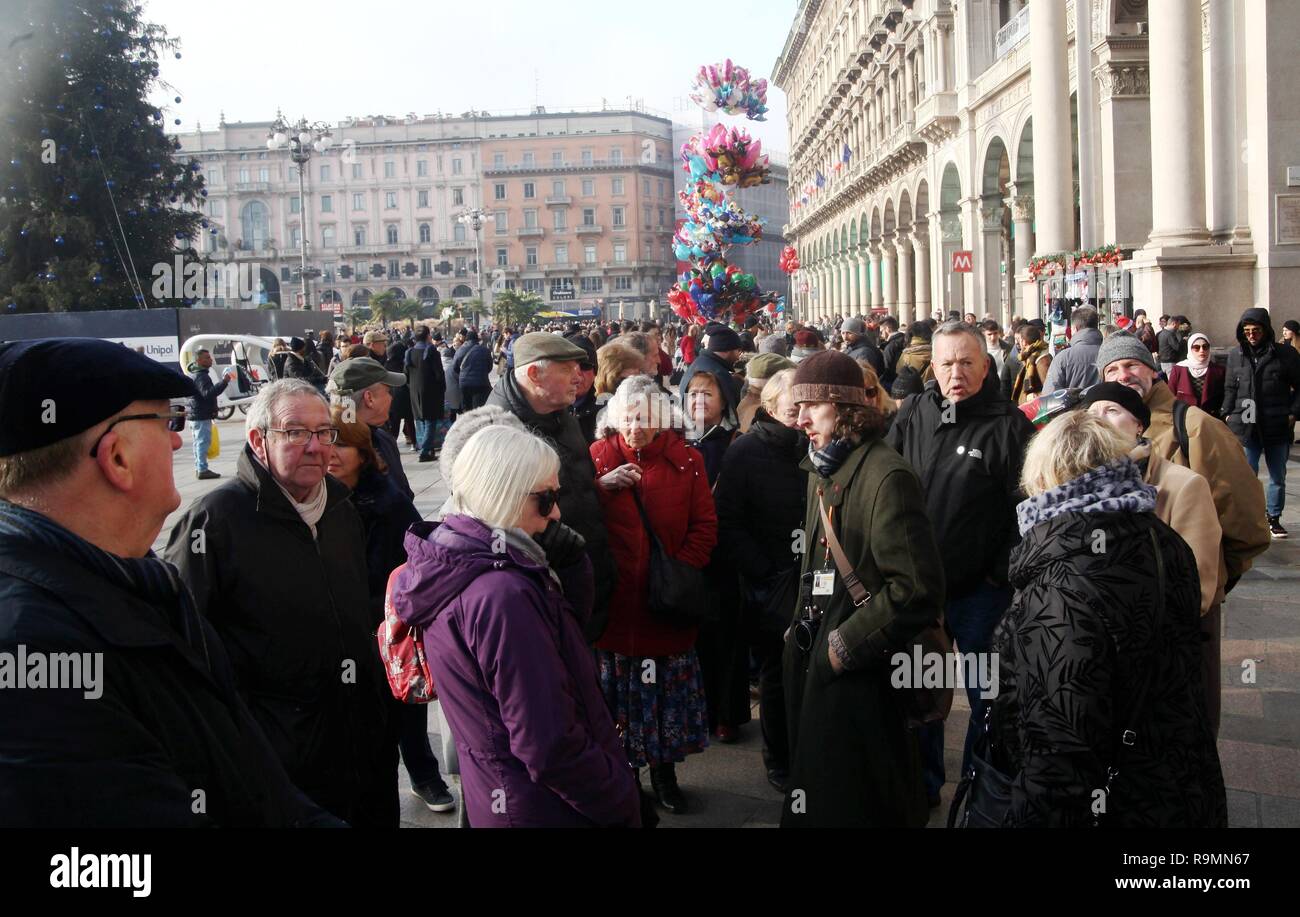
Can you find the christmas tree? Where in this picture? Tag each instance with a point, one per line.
(91, 194)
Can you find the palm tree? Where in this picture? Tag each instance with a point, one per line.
(384, 306)
(407, 310)
(356, 314)
(511, 307)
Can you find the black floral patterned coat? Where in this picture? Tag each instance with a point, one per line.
(1084, 634)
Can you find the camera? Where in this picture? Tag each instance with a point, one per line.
(810, 620)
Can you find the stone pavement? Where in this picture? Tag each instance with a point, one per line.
(1259, 741)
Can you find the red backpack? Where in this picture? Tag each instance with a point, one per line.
(401, 647)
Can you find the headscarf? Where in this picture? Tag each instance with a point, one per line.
(1198, 364)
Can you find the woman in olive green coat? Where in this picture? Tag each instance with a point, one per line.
(854, 762)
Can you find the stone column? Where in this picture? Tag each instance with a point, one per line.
(1022, 221)
(1087, 119)
(874, 255)
(942, 59)
(990, 257)
(1177, 127)
(1221, 90)
(864, 280)
(905, 299)
(921, 254)
(888, 275)
(1050, 90)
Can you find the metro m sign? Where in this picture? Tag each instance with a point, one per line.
(961, 262)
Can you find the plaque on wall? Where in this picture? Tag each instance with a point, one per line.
(1287, 218)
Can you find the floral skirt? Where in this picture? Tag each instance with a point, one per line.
(663, 718)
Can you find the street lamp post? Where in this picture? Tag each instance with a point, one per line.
(474, 217)
(301, 139)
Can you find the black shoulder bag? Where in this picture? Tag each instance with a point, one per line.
(677, 593)
(987, 791)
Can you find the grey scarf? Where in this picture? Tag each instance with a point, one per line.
(1113, 488)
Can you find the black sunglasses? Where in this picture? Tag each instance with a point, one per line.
(546, 500)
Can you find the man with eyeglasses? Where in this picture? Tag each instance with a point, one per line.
(276, 561)
(136, 720)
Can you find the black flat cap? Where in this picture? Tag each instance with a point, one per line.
(53, 388)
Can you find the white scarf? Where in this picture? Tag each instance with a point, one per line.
(310, 511)
(1197, 365)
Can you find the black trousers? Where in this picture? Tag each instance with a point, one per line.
(724, 652)
(474, 396)
(413, 740)
(767, 649)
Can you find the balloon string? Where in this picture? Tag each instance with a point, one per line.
(128, 262)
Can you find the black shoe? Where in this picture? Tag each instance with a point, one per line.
(778, 778)
(426, 456)
(436, 796)
(206, 474)
(663, 780)
(1275, 527)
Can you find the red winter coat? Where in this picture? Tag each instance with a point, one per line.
(1180, 382)
(675, 492)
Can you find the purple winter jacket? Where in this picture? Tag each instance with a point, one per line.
(517, 682)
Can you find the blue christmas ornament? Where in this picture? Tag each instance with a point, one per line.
(178, 100)
(74, 198)
(23, 233)
(178, 55)
(177, 121)
(59, 107)
(111, 183)
(203, 191)
(58, 240)
(99, 108)
(98, 278)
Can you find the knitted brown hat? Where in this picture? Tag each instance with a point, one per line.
(829, 376)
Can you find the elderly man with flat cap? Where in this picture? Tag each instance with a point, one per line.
(138, 722)
(1196, 439)
(540, 391)
(276, 559)
(365, 389)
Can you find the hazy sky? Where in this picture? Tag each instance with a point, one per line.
(330, 59)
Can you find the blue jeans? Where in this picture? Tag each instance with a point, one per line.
(1276, 456)
(971, 619)
(202, 440)
(426, 436)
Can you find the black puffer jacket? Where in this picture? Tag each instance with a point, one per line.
(204, 406)
(1084, 634)
(1267, 377)
(761, 498)
(969, 466)
(865, 350)
(293, 612)
(386, 513)
(579, 504)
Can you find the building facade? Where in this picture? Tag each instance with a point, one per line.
(575, 206)
(956, 128)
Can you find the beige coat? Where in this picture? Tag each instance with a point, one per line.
(748, 407)
(1217, 456)
(1185, 504)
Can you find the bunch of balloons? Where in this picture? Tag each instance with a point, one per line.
(710, 226)
(726, 157)
(727, 87)
(716, 290)
(789, 261)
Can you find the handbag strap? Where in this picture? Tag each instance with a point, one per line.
(857, 591)
(1129, 737)
(645, 518)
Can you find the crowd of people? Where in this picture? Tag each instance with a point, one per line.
(646, 526)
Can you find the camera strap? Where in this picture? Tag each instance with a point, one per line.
(857, 592)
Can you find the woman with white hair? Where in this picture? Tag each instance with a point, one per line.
(535, 741)
(1100, 670)
(652, 487)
